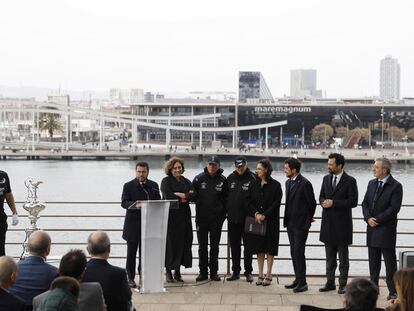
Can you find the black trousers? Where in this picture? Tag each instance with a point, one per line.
(203, 231)
(390, 259)
(3, 230)
(236, 234)
(131, 263)
(343, 254)
(297, 240)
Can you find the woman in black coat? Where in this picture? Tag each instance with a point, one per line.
(180, 232)
(264, 206)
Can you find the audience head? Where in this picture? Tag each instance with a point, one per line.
(8, 271)
(336, 162)
(174, 167)
(382, 168)
(292, 167)
(73, 264)
(264, 169)
(404, 284)
(99, 244)
(66, 283)
(361, 294)
(39, 243)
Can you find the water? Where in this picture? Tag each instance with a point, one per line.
(103, 181)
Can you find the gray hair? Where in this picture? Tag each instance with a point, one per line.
(99, 243)
(386, 163)
(361, 294)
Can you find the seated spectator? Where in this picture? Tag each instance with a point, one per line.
(73, 264)
(404, 285)
(113, 279)
(35, 275)
(360, 295)
(8, 275)
(63, 296)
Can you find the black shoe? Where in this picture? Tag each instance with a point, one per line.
(233, 277)
(302, 287)
(328, 287)
(177, 276)
(341, 289)
(291, 286)
(201, 277)
(132, 284)
(168, 276)
(391, 296)
(249, 277)
(215, 277)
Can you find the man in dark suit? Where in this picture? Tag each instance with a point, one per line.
(380, 206)
(339, 194)
(299, 210)
(35, 275)
(140, 188)
(8, 275)
(113, 279)
(73, 265)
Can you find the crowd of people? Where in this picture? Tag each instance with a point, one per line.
(250, 201)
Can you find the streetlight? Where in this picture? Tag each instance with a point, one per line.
(382, 127)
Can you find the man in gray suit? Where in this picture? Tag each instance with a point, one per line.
(73, 264)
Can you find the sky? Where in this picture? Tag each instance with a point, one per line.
(190, 45)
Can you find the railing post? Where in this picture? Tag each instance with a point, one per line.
(228, 250)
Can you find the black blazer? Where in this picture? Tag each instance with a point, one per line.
(113, 281)
(336, 226)
(9, 302)
(300, 204)
(132, 192)
(385, 210)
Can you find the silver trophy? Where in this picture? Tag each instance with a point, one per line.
(33, 207)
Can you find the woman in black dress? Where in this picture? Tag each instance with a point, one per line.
(265, 197)
(180, 232)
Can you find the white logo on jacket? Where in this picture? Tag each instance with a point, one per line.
(219, 187)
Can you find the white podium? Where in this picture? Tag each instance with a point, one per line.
(154, 223)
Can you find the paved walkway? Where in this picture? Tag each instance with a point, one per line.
(239, 295)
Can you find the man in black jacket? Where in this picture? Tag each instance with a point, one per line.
(112, 279)
(210, 189)
(339, 194)
(381, 205)
(140, 188)
(299, 210)
(236, 205)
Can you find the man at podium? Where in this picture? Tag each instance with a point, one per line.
(138, 189)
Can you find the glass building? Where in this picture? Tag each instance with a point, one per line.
(252, 85)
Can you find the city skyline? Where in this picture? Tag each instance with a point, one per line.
(183, 46)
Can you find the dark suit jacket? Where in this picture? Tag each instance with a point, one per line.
(312, 308)
(385, 210)
(90, 298)
(113, 281)
(34, 278)
(300, 204)
(336, 227)
(9, 302)
(132, 192)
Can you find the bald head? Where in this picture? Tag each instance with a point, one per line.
(39, 243)
(8, 271)
(99, 244)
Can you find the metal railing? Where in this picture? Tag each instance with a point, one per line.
(226, 258)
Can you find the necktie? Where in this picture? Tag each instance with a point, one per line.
(334, 183)
(379, 186)
(291, 184)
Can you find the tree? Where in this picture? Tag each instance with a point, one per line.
(341, 132)
(363, 133)
(50, 122)
(410, 134)
(322, 132)
(395, 133)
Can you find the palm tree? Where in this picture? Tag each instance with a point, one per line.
(51, 123)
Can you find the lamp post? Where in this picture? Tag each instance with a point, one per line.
(382, 128)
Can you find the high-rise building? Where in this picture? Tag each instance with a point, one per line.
(303, 83)
(389, 78)
(252, 85)
(126, 96)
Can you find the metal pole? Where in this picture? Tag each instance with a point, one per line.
(266, 136)
(382, 128)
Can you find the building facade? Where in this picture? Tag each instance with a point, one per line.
(389, 78)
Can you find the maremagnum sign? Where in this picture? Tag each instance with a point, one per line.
(281, 109)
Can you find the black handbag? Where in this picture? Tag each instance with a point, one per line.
(253, 227)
